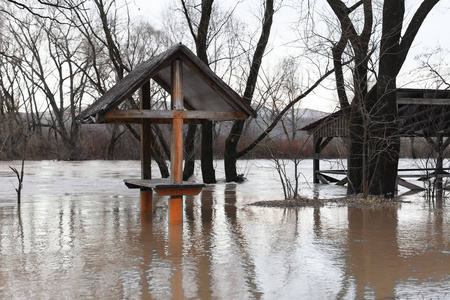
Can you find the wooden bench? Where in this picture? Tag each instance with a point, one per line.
(164, 186)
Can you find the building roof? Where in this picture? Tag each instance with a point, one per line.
(202, 89)
(421, 112)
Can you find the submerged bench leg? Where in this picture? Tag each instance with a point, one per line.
(146, 199)
(176, 209)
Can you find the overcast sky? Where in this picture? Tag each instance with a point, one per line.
(433, 34)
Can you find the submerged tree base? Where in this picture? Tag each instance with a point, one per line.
(356, 201)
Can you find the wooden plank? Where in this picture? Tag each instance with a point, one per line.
(411, 175)
(138, 183)
(426, 101)
(329, 178)
(421, 169)
(322, 179)
(168, 114)
(408, 185)
(154, 121)
(178, 191)
(160, 183)
(399, 170)
(212, 115)
(343, 181)
(340, 172)
(432, 175)
(139, 114)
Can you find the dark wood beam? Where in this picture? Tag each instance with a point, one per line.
(154, 121)
(146, 134)
(169, 114)
(426, 101)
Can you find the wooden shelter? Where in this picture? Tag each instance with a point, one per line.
(197, 94)
(421, 113)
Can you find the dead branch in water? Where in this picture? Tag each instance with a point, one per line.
(20, 179)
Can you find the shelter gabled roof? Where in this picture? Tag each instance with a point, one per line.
(421, 112)
(202, 89)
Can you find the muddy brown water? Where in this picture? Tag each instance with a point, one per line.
(80, 234)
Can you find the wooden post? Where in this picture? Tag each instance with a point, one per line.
(316, 158)
(439, 165)
(176, 153)
(146, 137)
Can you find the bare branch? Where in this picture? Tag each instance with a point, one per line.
(259, 52)
(282, 113)
(412, 30)
(34, 10)
(355, 6)
(189, 20)
(338, 50)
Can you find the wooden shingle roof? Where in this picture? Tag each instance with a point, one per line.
(202, 89)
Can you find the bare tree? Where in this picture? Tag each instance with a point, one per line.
(231, 144)
(199, 31)
(86, 46)
(280, 92)
(372, 113)
(20, 174)
(126, 47)
(45, 59)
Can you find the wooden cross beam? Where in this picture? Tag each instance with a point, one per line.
(166, 116)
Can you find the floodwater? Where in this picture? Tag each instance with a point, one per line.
(80, 234)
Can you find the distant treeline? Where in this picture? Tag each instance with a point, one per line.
(95, 143)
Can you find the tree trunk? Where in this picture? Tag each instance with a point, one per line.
(189, 148)
(112, 142)
(155, 150)
(385, 140)
(207, 156)
(355, 155)
(158, 156)
(232, 141)
(231, 151)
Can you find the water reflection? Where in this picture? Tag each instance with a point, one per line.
(384, 265)
(372, 257)
(103, 246)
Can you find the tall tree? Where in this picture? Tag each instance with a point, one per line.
(372, 114)
(200, 35)
(232, 141)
